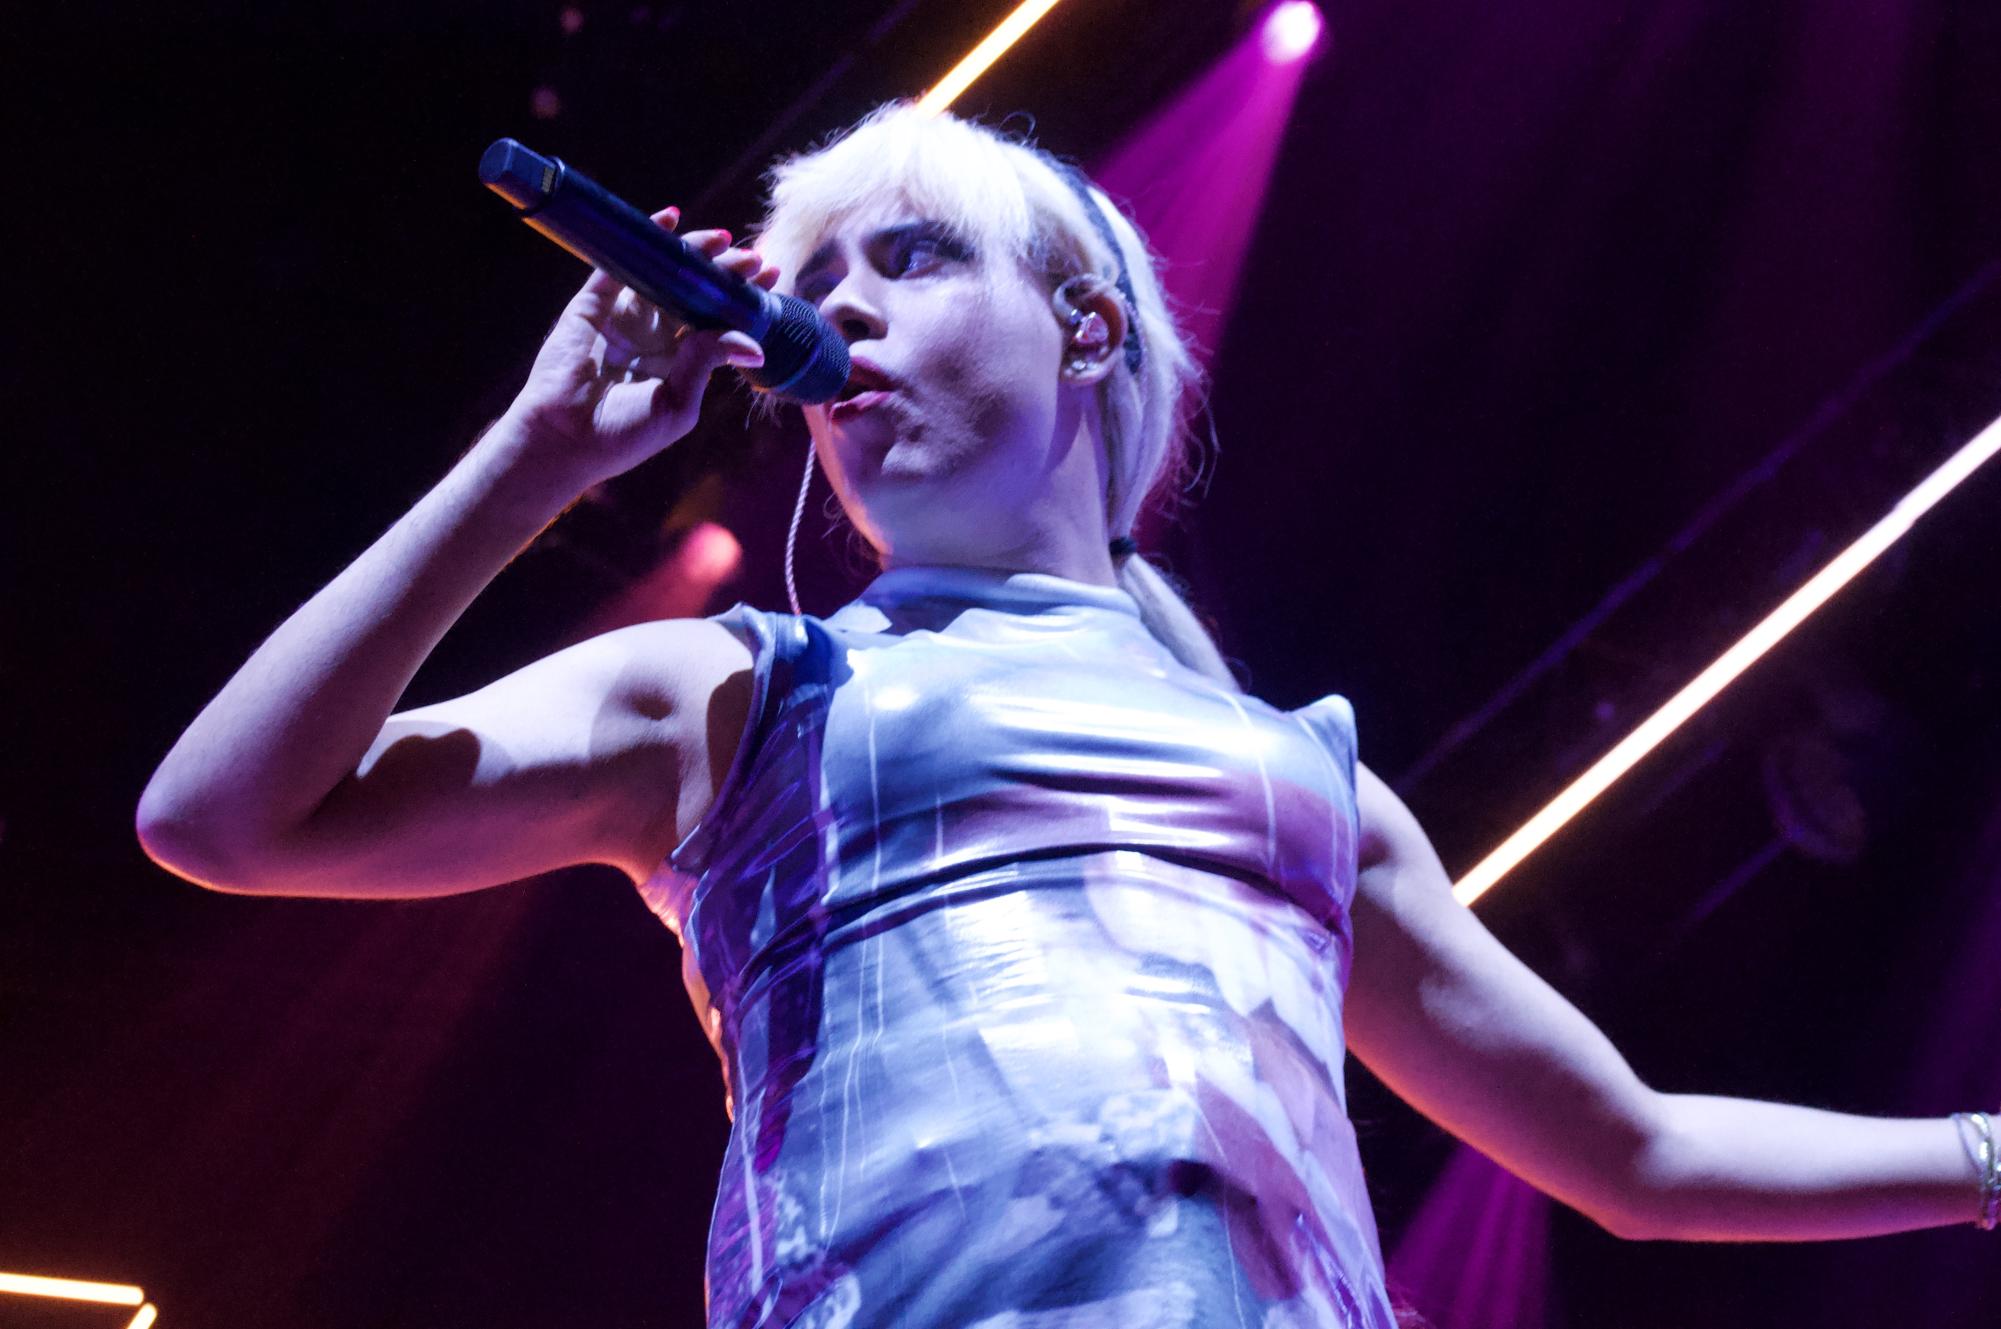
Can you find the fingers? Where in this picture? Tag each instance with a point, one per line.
(637, 339)
(744, 262)
(740, 350)
(749, 265)
(715, 244)
(690, 359)
(697, 355)
(601, 285)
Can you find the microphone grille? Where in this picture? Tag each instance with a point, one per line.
(805, 359)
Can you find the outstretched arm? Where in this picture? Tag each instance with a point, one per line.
(1470, 1036)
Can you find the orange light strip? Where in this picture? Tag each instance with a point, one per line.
(71, 1289)
(1793, 611)
(1025, 16)
(147, 1314)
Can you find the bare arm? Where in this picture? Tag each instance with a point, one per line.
(1471, 1037)
(296, 778)
(298, 716)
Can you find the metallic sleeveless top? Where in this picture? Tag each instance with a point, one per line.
(1023, 948)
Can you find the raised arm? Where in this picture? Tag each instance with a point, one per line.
(297, 779)
(1471, 1037)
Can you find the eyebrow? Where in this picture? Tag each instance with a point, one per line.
(824, 255)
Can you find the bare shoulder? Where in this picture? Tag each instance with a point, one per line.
(697, 682)
(663, 667)
(671, 699)
(1390, 834)
(658, 675)
(606, 751)
(691, 681)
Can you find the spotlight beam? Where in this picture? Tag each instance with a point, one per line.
(976, 62)
(1698, 692)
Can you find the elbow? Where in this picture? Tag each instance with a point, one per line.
(185, 846)
(1638, 1201)
(170, 846)
(1630, 1220)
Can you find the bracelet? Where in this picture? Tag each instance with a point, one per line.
(1981, 1148)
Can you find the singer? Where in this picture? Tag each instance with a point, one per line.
(1031, 946)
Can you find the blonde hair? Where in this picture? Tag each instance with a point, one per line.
(1004, 196)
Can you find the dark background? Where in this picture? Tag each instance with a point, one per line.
(1534, 288)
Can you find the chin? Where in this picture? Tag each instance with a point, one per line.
(929, 493)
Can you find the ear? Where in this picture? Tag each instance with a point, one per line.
(1094, 325)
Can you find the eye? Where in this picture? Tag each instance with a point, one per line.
(921, 251)
(913, 254)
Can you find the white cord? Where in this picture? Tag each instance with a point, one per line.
(792, 533)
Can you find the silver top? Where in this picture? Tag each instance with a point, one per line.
(1023, 947)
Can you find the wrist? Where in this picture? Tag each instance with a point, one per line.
(532, 462)
(1979, 1136)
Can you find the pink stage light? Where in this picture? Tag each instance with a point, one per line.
(683, 584)
(1292, 30)
(1194, 175)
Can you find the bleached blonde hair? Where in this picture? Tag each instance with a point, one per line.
(1006, 197)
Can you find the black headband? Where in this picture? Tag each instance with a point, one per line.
(1080, 184)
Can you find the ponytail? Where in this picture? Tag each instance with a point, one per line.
(1167, 615)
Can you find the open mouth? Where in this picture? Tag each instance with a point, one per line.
(864, 378)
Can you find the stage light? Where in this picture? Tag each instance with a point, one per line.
(1769, 632)
(1292, 30)
(1194, 174)
(990, 49)
(71, 1289)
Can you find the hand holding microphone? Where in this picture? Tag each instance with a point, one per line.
(805, 359)
(621, 374)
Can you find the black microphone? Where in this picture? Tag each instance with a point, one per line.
(805, 358)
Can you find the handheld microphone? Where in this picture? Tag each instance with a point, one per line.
(805, 358)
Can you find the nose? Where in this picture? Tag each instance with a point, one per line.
(851, 309)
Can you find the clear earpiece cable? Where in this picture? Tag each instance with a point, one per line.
(792, 534)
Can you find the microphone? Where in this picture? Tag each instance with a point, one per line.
(805, 358)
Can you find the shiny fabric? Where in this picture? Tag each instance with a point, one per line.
(1023, 948)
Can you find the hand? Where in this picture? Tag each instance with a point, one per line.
(619, 379)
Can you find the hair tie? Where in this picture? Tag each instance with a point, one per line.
(1123, 546)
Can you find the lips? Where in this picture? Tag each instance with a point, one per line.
(868, 386)
(865, 376)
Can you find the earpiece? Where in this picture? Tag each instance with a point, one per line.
(1088, 330)
(1089, 333)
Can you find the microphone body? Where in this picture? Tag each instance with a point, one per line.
(805, 358)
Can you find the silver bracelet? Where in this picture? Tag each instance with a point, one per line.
(1981, 1147)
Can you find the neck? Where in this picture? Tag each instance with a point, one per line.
(1070, 564)
(1061, 533)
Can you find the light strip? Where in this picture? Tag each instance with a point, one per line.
(991, 48)
(1818, 589)
(71, 1289)
(147, 1314)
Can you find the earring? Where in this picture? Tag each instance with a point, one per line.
(1089, 330)
(1078, 364)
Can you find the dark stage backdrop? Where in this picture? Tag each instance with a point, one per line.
(1531, 287)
